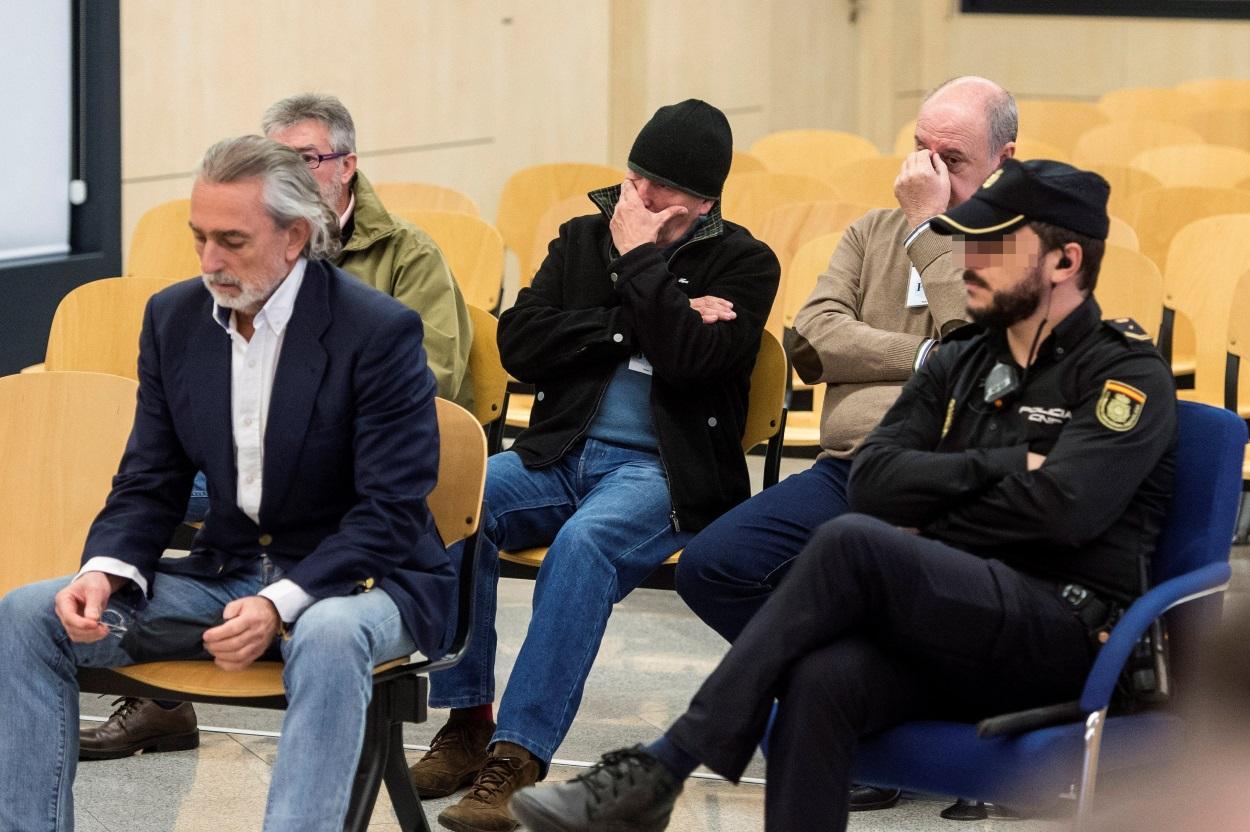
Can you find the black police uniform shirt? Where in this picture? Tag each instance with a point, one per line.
(1098, 403)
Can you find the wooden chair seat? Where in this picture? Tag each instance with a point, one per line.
(262, 679)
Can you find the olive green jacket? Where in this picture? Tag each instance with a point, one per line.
(401, 260)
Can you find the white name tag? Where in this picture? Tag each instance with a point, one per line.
(640, 364)
(915, 290)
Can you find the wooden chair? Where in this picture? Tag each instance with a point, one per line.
(423, 196)
(811, 260)
(1218, 92)
(1121, 233)
(1237, 377)
(866, 181)
(547, 228)
(1195, 165)
(162, 245)
(96, 326)
(1229, 127)
(744, 162)
(1148, 102)
(490, 381)
(1130, 286)
(399, 686)
(1030, 147)
(810, 152)
(1159, 213)
(788, 228)
(472, 247)
(1126, 183)
(61, 438)
(1117, 142)
(1058, 122)
(748, 198)
(1205, 260)
(529, 192)
(765, 423)
(905, 139)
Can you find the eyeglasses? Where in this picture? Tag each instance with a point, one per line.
(314, 160)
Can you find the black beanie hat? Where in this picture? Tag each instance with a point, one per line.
(688, 146)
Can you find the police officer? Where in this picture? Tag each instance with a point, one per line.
(1012, 489)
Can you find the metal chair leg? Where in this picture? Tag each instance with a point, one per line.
(369, 771)
(1089, 770)
(399, 786)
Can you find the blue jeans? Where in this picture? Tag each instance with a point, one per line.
(731, 567)
(197, 506)
(329, 660)
(604, 512)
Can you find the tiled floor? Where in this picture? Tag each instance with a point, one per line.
(654, 655)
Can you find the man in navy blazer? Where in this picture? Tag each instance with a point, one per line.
(305, 397)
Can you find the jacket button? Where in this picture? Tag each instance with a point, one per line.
(367, 583)
(618, 337)
(541, 395)
(613, 277)
(711, 422)
(265, 539)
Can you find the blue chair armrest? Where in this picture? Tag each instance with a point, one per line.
(1100, 683)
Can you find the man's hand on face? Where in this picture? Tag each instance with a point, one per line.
(923, 186)
(80, 604)
(251, 625)
(634, 225)
(713, 309)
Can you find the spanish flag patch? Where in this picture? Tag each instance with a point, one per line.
(1120, 405)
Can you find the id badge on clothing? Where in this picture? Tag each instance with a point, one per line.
(640, 364)
(915, 290)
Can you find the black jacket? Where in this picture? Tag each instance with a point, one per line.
(1099, 403)
(590, 308)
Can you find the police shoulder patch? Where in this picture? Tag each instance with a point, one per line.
(1128, 328)
(1120, 405)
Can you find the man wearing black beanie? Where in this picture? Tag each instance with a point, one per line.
(639, 334)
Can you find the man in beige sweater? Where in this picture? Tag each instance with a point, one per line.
(889, 295)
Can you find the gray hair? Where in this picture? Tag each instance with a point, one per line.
(310, 105)
(290, 192)
(1001, 116)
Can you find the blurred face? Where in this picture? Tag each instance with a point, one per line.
(312, 137)
(243, 253)
(1005, 279)
(958, 131)
(657, 196)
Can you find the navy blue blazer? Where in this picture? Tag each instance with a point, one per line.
(351, 451)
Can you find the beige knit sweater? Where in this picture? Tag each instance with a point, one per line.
(856, 332)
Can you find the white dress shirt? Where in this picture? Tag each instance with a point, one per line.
(252, 366)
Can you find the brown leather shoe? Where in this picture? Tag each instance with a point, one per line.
(140, 725)
(485, 807)
(456, 754)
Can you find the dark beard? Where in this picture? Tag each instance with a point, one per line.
(1009, 306)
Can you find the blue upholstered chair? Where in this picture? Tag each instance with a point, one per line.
(1026, 760)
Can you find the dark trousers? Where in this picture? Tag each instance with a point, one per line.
(872, 627)
(728, 570)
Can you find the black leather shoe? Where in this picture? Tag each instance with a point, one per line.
(140, 725)
(626, 789)
(869, 798)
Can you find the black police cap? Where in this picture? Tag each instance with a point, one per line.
(1037, 190)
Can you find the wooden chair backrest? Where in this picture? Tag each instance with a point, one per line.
(162, 245)
(768, 393)
(749, 197)
(96, 326)
(61, 438)
(1126, 183)
(547, 228)
(1204, 262)
(490, 381)
(1130, 285)
(1058, 122)
(1117, 142)
(867, 181)
(809, 152)
(1031, 147)
(1148, 102)
(809, 263)
(423, 196)
(1121, 233)
(456, 501)
(529, 192)
(1195, 165)
(744, 162)
(1158, 214)
(1229, 127)
(1218, 92)
(473, 249)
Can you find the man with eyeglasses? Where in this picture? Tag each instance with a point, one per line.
(382, 250)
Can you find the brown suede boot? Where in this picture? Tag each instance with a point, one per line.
(456, 754)
(140, 725)
(485, 808)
